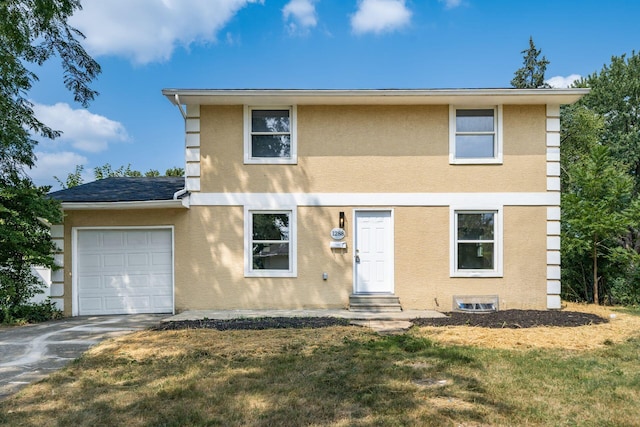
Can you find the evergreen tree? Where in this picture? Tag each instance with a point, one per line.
(531, 75)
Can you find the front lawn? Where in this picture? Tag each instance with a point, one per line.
(340, 375)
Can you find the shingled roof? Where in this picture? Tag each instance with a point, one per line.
(122, 189)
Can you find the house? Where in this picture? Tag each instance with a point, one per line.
(361, 199)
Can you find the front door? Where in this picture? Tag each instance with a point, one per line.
(373, 253)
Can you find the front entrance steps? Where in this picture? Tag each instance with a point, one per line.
(374, 303)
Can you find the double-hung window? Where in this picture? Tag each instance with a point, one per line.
(270, 249)
(475, 135)
(270, 135)
(477, 243)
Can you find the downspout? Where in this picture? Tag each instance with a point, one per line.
(177, 100)
(179, 193)
(184, 116)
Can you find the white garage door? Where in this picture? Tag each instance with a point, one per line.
(124, 271)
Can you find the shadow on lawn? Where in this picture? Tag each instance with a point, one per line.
(364, 380)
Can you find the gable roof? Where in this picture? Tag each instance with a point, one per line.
(122, 192)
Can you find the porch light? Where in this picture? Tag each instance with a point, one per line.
(341, 220)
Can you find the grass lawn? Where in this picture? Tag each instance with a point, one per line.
(345, 376)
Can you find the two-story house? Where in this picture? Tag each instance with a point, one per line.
(361, 199)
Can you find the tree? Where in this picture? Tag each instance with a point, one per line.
(598, 207)
(31, 32)
(175, 171)
(615, 95)
(531, 75)
(106, 171)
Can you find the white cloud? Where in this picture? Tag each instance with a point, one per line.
(300, 15)
(563, 82)
(378, 16)
(149, 30)
(450, 4)
(81, 129)
(58, 164)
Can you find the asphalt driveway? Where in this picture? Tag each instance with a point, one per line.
(30, 353)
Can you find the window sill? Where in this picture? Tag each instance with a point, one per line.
(476, 274)
(270, 273)
(270, 161)
(497, 161)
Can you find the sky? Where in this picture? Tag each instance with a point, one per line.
(144, 46)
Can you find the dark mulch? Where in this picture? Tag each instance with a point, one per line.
(255, 323)
(514, 319)
(500, 319)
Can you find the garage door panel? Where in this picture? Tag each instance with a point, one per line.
(88, 304)
(137, 259)
(125, 271)
(113, 240)
(131, 304)
(137, 238)
(90, 282)
(161, 259)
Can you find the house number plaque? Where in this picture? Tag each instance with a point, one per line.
(337, 234)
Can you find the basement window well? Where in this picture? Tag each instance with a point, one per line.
(475, 304)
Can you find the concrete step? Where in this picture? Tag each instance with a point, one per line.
(374, 303)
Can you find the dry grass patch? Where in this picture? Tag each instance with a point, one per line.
(340, 376)
(620, 327)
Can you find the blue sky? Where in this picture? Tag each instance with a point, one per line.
(144, 46)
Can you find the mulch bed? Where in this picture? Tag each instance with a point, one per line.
(513, 319)
(255, 323)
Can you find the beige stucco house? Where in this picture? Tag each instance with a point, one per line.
(360, 199)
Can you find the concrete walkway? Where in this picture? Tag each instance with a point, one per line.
(381, 322)
(30, 353)
(342, 314)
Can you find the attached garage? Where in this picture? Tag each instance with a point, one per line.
(123, 270)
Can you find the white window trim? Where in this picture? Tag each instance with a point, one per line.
(498, 242)
(248, 238)
(497, 118)
(293, 117)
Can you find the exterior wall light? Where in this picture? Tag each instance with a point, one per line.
(341, 220)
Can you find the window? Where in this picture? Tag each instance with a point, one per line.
(475, 135)
(270, 245)
(270, 135)
(476, 244)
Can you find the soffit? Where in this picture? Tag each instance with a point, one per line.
(373, 97)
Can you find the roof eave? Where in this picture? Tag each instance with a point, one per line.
(374, 96)
(146, 204)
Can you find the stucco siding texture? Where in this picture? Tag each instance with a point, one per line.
(213, 277)
(209, 259)
(372, 149)
(422, 269)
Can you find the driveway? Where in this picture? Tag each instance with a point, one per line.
(30, 353)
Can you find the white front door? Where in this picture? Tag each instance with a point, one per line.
(373, 252)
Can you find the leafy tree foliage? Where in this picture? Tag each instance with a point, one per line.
(601, 184)
(598, 208)
(106, 171)
(531, 74)
(31, 32)
(615, 96)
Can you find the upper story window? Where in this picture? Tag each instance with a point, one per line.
(270, 135)
(477, 244)
(475, 135)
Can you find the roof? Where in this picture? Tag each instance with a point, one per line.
(132, 192)
(373, 96)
